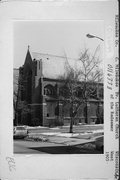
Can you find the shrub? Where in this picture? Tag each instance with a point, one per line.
(35, 122)
(55, 122)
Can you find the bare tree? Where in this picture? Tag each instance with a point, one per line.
(81, 82)
(15, 94)
(19, 106)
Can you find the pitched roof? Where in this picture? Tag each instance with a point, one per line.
(53, 66)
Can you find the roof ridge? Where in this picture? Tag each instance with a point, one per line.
(55, 55)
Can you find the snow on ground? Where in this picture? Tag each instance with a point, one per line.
(59, 134)
(50, 133)
(58, 127)
(55, 128)
(36, 127)
(68, 134)
(98, 131)
(91, 124)
(93, 132)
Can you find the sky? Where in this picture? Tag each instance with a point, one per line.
(56, 37)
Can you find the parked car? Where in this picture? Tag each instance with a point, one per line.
(99, 142)
(20, 132)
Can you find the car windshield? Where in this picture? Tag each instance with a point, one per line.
(20, 128)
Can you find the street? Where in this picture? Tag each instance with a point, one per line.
(59, 141)
(28, 147)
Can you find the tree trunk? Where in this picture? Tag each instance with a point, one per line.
(71, 125)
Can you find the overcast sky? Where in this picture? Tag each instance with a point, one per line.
(55, 37)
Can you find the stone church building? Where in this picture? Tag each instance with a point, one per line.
(39, 94)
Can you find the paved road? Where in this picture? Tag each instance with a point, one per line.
(29, 147)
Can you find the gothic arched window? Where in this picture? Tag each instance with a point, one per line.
(49, 90)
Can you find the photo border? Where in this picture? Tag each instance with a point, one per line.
(58, 167)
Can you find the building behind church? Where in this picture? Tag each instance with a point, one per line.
(39, 98)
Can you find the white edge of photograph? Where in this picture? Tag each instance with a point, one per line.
(59, 90)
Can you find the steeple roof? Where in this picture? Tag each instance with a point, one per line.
(28, 61)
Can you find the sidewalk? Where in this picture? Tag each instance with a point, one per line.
(82, 135)
(64, 126)
(62, 140)
(68, 139)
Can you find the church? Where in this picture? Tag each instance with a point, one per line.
(39, 100)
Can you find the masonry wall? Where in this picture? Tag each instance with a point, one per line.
(56, 113)
(45, 106)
